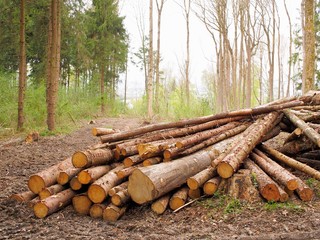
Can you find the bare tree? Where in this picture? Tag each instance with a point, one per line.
(150, 66)
(22, 66)
(308, 46)
(160, 4)
(290, 48)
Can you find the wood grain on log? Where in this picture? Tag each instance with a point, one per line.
(88, 158)
(112, 213)
(81, 203)
(179, 198)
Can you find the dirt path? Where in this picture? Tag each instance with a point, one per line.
(203, 220)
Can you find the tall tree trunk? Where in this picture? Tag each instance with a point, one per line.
(308, 47)
(22, 66)
(53, 62)
(187, 16)
(290, 48)
(103, 106)
(150, 70)
(126, 83)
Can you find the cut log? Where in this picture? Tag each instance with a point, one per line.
(268, 189)
(240, 186)
(49, 191)
(179, 198)
(294, 135)
(126, 172)
(231, 163)
(211, 186)
(88, 158)
(274, 170)
(199, 120)
(89, 175)
(103, 131)
(81, 204)
(47, 177)
(129, 161)
(160, 205)
(98, 191)
(53, 203)
(194, 193)
(147, 150)
(112, 213)
(310, 162)
(149, 183)
(118, 188)
(24, 196)
(121, 198)
(291, 162)
(305, 193)
(297, 146)
(33, 202)
(308, 131)
(75, 184)
(151, 161)
(96, 210)
(200, 178)
(129, 150)
(65, 176)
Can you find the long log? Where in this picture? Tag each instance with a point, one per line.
(112, 213)
(89, 175)
(179, 198)
(65, 176)
(98, 190)
(52, 190)
(88, 158)
(149, 183)
(103, 131)
(47, 177)
(82, 204)
(231, 163)
(200, 178)
(199, 120)
(314, 154)
(291, 162)
(310, 162)
(297, 146)
(23, 196)
(211, 186)
(96, 210)
(307, 130)
(267, 187)
(160, 205)
(53, 203)
(274, 170)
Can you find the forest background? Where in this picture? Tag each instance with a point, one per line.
(62, 61)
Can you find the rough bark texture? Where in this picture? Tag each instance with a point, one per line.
(291, 162)
(24, 196)
(160, 205)
(88, 158)
(53, 203)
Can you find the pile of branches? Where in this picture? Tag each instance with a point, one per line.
(168, 164)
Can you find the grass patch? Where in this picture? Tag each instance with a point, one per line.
(273, 206)
(315, 185)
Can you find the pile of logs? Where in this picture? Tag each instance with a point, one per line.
(167, 164)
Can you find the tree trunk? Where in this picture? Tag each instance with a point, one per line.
(150, 64)
(98, 191)
(49, 191)
(267, 187)
(47, 177)
(297, 146)
(291, 162)
(290, 48)
(201, 177)
(231, 163)
(89, 175)
(309, 49)
(211, 186)
(112, 213)
(88, 158)
(53, 203)
(102, 94)
(274, 170)
(22, 66)
(179, 198)
(82, 204)
(160, 205)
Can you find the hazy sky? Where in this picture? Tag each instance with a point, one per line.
(173, 40)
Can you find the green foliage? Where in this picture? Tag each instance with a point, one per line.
(272, 206)
(233, 206)
(315, 185)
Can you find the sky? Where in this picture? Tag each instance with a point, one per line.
(173, 41)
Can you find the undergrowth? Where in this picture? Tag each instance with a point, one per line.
(290, 206)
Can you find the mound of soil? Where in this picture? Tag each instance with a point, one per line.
(214, 218)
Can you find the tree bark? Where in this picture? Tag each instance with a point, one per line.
(129, 161)
(267, 187)
(26, 196)
(49, 191)
(150, 63)
(82, 204)
(231, 163)
(89, 175)
(200, 178)
(291, 162)
(310, 162)
(151, 161)
(123, 173)
(47, 177)
(103, 131)
(53, 203)
(98, 191)
(160, 205)
(179, 198)
(88, 158)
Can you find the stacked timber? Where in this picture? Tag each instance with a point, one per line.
(173, 164)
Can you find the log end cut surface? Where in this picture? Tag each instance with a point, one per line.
(192, 183)
(225, 170)
(36, 184)
(40, 210)
(63, 178)
(96, 211)
(306, 194)
(292, 184)
(44, 194)
(140, 187)
(79, 159)
(271, 193)
(84, 177)
(81, 204)
(176, 202)
(210, 188)
(96, 193)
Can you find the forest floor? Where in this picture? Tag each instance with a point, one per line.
(209, 218)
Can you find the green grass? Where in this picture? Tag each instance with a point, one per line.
(272, 206)
(315, 185)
